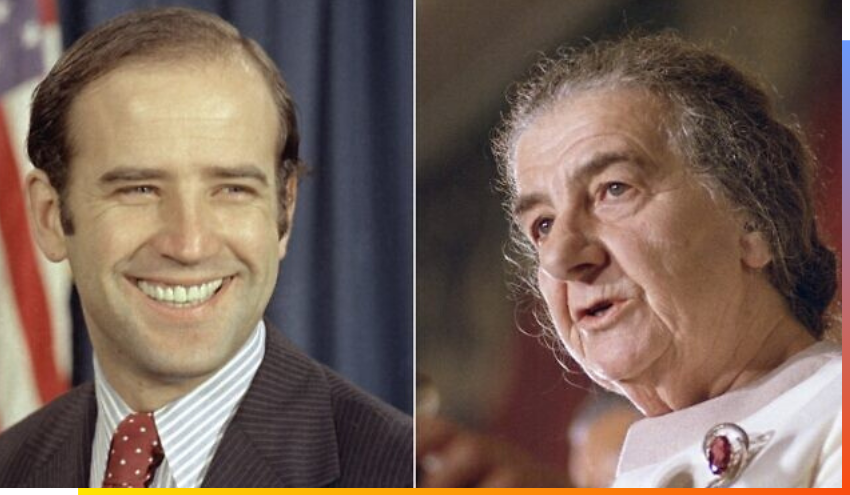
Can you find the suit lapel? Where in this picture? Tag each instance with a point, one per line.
(283, 434)
(62, 455)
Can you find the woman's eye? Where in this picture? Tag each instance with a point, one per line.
(616, 189)
(541, 228)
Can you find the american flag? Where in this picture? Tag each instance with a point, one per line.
(35, 321)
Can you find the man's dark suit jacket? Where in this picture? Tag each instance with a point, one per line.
(299, 425)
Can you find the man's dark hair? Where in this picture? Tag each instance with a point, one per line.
(726, 128)
(165, 34)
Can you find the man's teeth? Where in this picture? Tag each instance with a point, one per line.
(180, 294)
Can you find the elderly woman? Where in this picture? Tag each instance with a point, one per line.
(665, 214)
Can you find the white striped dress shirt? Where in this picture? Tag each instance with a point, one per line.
(190, 428)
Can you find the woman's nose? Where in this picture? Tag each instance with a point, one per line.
(570, 252)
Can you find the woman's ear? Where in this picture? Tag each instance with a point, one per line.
(755, 250)
(45, 215)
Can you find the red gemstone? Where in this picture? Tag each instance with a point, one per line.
(719, 455)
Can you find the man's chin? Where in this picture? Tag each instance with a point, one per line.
(181, 368)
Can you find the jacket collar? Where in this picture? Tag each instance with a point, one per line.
(63, 457)
(283, 434)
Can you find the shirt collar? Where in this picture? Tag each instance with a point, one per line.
(681, 428)
(190, 427)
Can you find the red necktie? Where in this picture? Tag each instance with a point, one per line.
(134, 454)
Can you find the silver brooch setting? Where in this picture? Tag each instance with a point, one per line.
(728, 449)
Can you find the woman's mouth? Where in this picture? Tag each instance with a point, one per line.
(599, 309)
(602, 314)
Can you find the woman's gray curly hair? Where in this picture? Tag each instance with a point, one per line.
(726, 128)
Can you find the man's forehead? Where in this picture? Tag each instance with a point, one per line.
(216, 89)
(126, 73)
(143, 115)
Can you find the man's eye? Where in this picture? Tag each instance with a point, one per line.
(138, 190)
(236, 190)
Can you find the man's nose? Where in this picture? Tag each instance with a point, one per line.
(571, 251)
(187, 232)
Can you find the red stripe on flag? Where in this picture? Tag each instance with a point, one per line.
(26, 278)
(47, 12)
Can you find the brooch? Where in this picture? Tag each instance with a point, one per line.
(728, 449)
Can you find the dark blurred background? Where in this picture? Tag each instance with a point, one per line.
(490, 375)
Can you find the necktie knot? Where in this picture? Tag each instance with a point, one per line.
(134, 454)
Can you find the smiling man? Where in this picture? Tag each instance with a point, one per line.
(166, 154)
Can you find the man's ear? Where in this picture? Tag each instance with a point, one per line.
(755, 250)
(45, 215)
(291, 193)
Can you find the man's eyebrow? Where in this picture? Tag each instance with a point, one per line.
(596, 164)
(239, 172)
(131, 174)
